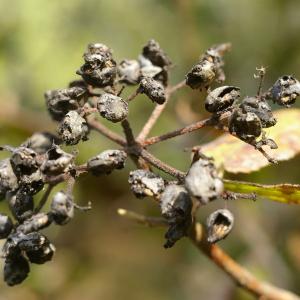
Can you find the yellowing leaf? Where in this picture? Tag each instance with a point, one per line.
(285, 193)
(236, 156)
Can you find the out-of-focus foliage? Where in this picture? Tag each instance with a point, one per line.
(100, 256)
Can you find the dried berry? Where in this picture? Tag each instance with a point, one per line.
(285, 90)
(16, 270)
(73, 128)
(37, 247)
(21, 204)
(60, 102)
(155, 54)
(41, 142)
(261, 108)
(201, 75)
(129, 71)
(176, 232)
(147, 67)
(57, 161)
(99, 69)
(202, 181)
(62, 208)
(221, 98)
(153, 89)
(112, 108)
(247, 126)
(145, 183)
(26, 165)
(106, 162)
(35, 223)
(6, 226)
(219, 225)
(8, 179)
(175, 203)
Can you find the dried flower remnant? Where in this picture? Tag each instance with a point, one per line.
(219, 225)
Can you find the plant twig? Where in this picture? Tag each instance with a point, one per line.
(128, 133)
(97, 126)
(151, 159)
(148, 221)
(181, 131)
(157, 112)
(239, 274)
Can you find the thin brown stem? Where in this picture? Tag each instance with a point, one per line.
(128, 133)
(97, 126)
(239, 274)
(158, 111)
(151, 159)
(181, 131)
(132, 96)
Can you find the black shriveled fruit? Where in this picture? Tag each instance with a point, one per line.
(247, 126)
(60, 102)
(261, 108)
(57, 161)
(73, 128)
(221, 98)
(6, 226)
(99, 69)
(8, 179)
(201, 75)
(16, 270)
(175, 203)
(129, 71)
(145, 183)
(112, 108)
(203, 182)
(175, 232)
(21, 204)
(219, 224)
(41, 142)
(62, 208)
(37, 247)
(153, 89)
(285, 90)
(155, 54)
(106, 162)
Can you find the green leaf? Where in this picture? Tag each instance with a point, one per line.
(284, 193)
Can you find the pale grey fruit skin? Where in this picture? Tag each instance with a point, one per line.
(112, 108)
(62, 208)
(73, 128)
(153, 89)
(145, 183)
(202, 181)
(106, 162)
(8, 179)
(219, 225)
(129, 71)
(175, 203)
(6, 226)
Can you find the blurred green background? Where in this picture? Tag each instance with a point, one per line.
(100, 256)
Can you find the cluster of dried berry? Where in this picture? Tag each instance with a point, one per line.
(22, 176)
(41, 159)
